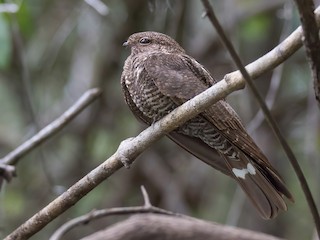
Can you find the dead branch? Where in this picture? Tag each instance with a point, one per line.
(97, 214)
(164, 227)
(7, 172)
(86, 99)
(153, 224)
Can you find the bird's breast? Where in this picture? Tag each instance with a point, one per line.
(144, 93)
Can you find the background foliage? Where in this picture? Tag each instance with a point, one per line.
(53, 51)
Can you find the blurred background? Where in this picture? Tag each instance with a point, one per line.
(51, 52)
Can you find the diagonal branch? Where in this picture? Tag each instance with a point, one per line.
(7, 172)
(269, 118)
(131, 148)
(13, 157)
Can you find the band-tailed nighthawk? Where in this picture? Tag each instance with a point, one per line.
(157, 77)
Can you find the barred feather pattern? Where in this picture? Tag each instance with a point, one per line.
(201, 128)
(149, 99)
(146, 96)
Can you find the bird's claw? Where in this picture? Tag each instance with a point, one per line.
(125, 161)
(122, 156)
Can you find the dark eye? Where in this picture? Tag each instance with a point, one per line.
(144, 40)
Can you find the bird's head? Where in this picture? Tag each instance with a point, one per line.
(152, 42)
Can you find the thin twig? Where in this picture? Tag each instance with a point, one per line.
(311, 42)
(97, 214)
(239, 197)
(146, 198)
(294, 162)
(231, 82)
(276, 75)
(87, 98)
(26, 90)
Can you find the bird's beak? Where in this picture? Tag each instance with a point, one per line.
(125, 44)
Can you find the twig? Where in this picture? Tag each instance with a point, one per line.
(269, 99)
(231, 82)
(239, 197)
(145, 195)
(26, 90)
(147, 208)
(96, 214)
(50, 55)
(294, 162)
(311, 42)
(13, 157)
(276, 75)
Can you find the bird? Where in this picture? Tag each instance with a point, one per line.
(158, 76)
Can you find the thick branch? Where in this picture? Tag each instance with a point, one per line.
(131, 148)
(161, 227)
(149, 223)
(311, 40)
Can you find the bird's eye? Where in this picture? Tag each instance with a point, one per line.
(144, 41)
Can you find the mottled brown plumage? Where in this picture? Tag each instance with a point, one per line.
(157, 77)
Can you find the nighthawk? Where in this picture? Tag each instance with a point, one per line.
(159, 76)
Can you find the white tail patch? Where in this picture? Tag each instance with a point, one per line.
(241, 173)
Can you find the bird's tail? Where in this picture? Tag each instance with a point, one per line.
(262, 184)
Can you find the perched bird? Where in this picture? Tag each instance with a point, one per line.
(159, 76)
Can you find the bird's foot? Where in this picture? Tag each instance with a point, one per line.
(121, 152)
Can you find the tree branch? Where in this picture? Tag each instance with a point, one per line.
(177, 226)
(131, 148)
(97, 214)
(165, 227)
(86, 99)
(7, 172)
(311, 41)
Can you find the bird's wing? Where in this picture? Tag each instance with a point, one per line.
(225, 119)
(200, 150)
(179, 80)
(177, 76)
(191, 144)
